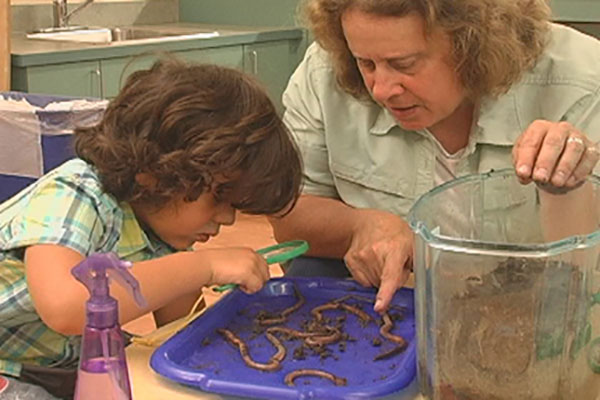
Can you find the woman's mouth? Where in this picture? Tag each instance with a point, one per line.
(401, 113)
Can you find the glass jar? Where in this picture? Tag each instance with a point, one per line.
(507, 281)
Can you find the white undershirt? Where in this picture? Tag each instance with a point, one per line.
(446, 164)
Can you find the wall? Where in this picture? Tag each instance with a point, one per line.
(240, 12)
(282, 12)
(583, 15)
(29, 15)
(35, 14)
(576, 10)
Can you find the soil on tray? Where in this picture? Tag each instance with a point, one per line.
(490, 342)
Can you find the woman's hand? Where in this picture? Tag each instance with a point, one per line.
(555, 154)
(238, 265)
(380, 253)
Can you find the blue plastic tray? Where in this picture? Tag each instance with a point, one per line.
(200, 357)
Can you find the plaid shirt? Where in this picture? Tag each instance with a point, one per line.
(66, 207)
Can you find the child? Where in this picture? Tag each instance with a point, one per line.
(175, 154)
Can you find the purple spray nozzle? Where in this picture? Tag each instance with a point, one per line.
(94, 272)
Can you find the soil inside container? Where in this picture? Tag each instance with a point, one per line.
(503, 337)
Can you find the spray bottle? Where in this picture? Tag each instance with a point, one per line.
(102, 373)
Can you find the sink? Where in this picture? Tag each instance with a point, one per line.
(85, 35)
(120, 34)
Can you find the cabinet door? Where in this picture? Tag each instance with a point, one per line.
(229, 56)
(272, 63)
(116, 70)
(69, 79)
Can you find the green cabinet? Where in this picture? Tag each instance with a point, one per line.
(82, 78)
(115, 70)
(103, 78)
(272, 62)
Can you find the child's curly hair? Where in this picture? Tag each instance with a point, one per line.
(194, 128)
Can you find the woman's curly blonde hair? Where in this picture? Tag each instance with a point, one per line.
(494, 41)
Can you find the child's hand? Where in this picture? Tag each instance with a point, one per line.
(239, 265)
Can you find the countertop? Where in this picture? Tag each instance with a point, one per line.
(28, 52)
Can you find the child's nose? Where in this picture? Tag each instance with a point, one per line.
(225, 216)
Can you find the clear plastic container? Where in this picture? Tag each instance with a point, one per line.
(507, 282)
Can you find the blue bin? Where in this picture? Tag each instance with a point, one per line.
(36, 132)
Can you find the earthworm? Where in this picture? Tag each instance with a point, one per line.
(310, 338)
(316, 312)
(281, 351)
(274, 362)
(289, 378)
(292, 332)
(366, 300)
(280, 319)
(385, 329)
(387, 354)
(353, 296)
(322, 340)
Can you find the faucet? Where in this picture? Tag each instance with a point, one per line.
(61, 16)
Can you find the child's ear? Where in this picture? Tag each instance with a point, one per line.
(144, 179)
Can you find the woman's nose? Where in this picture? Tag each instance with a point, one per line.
(385, 86)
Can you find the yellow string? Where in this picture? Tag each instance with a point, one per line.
(157, 337)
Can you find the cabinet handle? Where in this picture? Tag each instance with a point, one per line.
(254, 59)
(98, 73)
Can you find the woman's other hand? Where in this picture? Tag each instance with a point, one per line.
(380, 253)
(555, 154)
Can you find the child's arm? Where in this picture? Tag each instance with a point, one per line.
(59, 299)
(177, 309)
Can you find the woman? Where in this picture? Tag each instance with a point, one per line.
(398, 96)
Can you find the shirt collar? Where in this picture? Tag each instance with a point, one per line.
(498, 122)
(383, 123)
(134, 239)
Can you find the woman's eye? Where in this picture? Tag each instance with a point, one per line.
(365, 64)
(403, 66)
